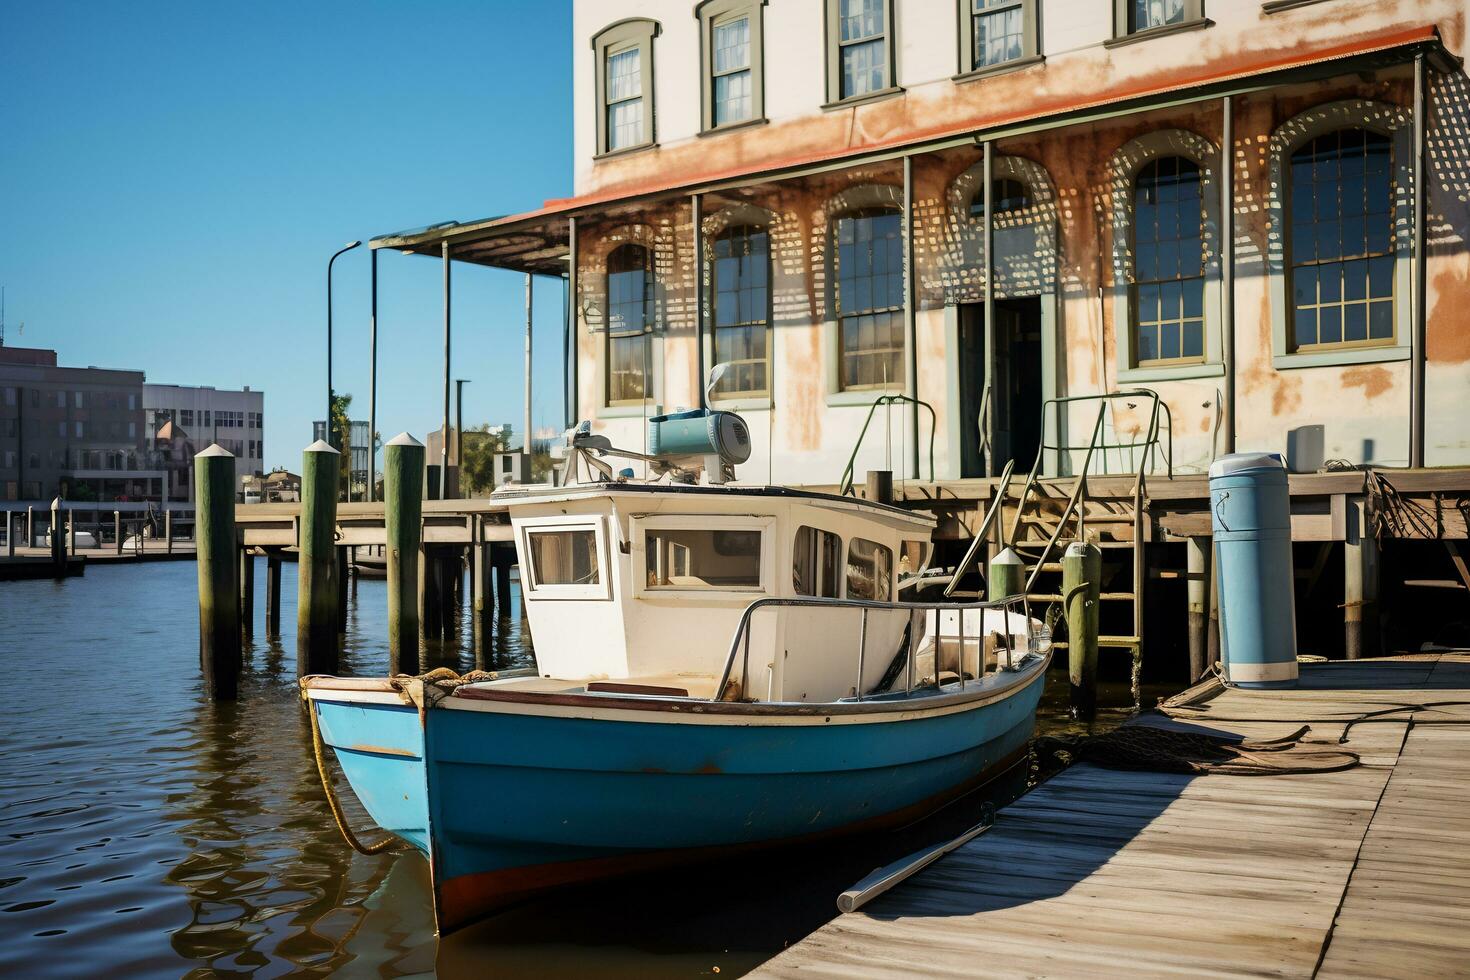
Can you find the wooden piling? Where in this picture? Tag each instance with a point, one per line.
(1081, 579)
(117, 534)
(71, 532)
(503, 558)
(273, 593)
(1007, 576)
(58, 540)
(1197, 589)
(219, 600)
(431, 606)
(168, 535)
(403, 481)
(9, 535)
(247, 593)
(30, 525)
(316, 604)
(343, 570)
(1360, 584)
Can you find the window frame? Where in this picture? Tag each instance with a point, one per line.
(1030, 40)
(602, 589)
(640, 524)
(864, 392)
(839, 570)
(1194, 18)
(716, 13)
(650, 318)
(833, 35)
(1134, 323)
(892, 569)
(730, 229)
(625, 35)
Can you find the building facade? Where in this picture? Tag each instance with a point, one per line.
(362, 452)
(76, 433)
(940, 219)
(185, 419)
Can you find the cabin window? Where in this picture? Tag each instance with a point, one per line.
(814, 562)
(869, 570)
(869, 269)
(859, 52)
(629, 324)
(702, 558)
(625, 85)
(1341, 242)
(1169, 263)
(742, 271)
(564, 557)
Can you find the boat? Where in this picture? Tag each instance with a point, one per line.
(719, 668)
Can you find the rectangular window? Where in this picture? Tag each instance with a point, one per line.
(624, 99)
(702, 558)
(132, 430)
(1137, 16)
(76, 399)
(998, 32)
(859, 52)
(204, 418)
(566, 561)
(132, 402)
(10, 397)
(869, 270)
(186, 417)
(629, 324)
(1168, 262)
(814, 557)
(869, 570)
(742, 265)
(732, 92)
(624, 76)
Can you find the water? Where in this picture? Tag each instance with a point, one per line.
(145, 831)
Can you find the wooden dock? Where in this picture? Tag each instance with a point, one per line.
(1096, 872)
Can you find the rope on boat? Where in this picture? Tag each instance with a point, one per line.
(332, 801)
(1147, 748)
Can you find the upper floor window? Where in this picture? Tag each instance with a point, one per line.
(625, 110)
(1169, 262)
(742, 277)
(996, 32)
(869, 301)
(1341, 241)
(629, 324)
(859, 48)
(1136, 16)
(731, 43)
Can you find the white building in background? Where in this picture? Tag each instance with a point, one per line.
(181, 420)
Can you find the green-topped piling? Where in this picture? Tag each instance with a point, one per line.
(58, 540)
(219, 600)
(1007, 576)
(1081, 576)
(403, 482)
(316, 604)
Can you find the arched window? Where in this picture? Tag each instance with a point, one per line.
(629, 323)
(1341, 256)
(1168, 262)
(869, 301)
(1008, 194)
(742, 289)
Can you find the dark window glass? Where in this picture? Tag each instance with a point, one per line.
(1341, 207)
(742, 272)
(862, 46)
(999, 31)
(629, 323)
(869, 271)
(1008, 195)
(1168, 262)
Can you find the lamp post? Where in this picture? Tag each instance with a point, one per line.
(346, 248)
(459, 384)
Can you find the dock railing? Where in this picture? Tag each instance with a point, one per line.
(845, 486)
(740, 642)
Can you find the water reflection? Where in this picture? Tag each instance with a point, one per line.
(147, 831)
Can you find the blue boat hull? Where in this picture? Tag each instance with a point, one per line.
(507, 801)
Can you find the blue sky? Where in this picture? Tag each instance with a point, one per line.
(174, 177)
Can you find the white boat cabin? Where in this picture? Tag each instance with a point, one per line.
(639, 588)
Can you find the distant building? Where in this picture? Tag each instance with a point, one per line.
(77, 433)
(362, 453)
(184, 419)
(278, 487)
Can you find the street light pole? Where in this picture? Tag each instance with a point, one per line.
(328, 426)
(459, 384)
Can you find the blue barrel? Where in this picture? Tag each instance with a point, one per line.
(1250, 510)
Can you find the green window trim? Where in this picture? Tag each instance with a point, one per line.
(1126, 29)
(716, 13)
(1029, 47)
(835, 94)
(634, 34)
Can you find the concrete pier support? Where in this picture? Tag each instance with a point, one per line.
(1360, 584)
(403, 482)
(1081, 583)
(247, 593)
(273, 594)
(218, 564)
(1197, 589)
(316, 609)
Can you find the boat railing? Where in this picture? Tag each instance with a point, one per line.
(740, 642)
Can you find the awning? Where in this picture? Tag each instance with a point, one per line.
(536, 241)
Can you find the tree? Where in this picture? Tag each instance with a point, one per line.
(340, 438)
(477, 467)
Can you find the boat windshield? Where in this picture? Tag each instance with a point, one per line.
(564, 557)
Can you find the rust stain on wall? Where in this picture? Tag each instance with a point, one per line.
(1447, 334)
(1373, 380)
(1287, 395)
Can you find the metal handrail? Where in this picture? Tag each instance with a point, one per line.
(742, 631)
(991, 516)
(845, 485)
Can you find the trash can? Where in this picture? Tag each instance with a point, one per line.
(1250, 511)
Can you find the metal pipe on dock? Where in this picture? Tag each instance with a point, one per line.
(1081, 578)
(403, 481)
(1360, 585)
(316, 611)
(1197, 587)
(215, 548)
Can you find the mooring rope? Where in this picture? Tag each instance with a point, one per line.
(1146, 748)
(332, 801)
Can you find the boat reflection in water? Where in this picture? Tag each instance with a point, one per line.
(719, 668)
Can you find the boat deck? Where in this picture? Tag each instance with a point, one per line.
(1097, 872)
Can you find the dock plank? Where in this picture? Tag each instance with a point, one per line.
(1097, 872)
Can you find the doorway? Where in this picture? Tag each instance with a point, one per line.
(1018, 383)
